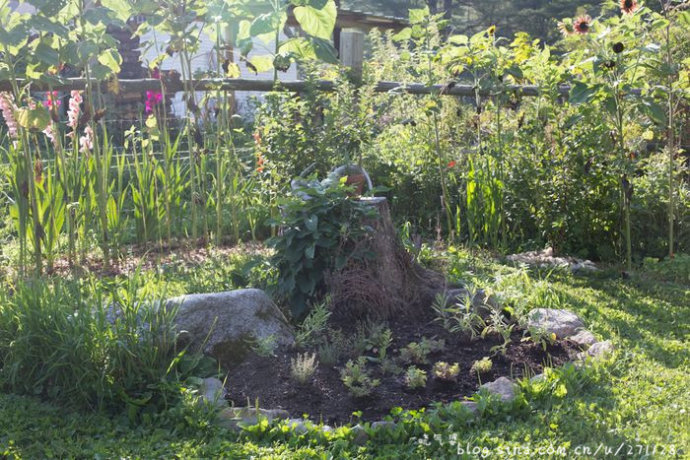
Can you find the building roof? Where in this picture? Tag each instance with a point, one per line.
(353, 17)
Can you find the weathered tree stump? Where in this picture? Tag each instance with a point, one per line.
(390, 283)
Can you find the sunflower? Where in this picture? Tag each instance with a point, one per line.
(582, 24)
(628, 6)
(566, 27)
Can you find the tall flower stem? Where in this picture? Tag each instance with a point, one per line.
(671, 142)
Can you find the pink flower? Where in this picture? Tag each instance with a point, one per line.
(50, 133)
(74, 110)
(156, 73)
(7, 107)
(86, 141)
(52, 100)
(153, 98)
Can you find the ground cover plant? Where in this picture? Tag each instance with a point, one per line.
(638, 400)
(379, 222)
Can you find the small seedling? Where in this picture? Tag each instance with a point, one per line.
(329, 354)
(315, 325)
(303, 367)
(446, 372)
(482, 366)
(539, 336)
(265, 346)
(389, 367)
(415, 378)
(417, 352)
(357, 379)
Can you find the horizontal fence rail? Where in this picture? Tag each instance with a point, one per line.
(244, 84)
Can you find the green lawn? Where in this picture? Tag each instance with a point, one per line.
(636, 404)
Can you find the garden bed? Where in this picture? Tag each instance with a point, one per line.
(267, 381)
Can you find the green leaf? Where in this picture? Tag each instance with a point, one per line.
(581, 93)
(264, 26)
(310, 251)
(318, 4)
(312, 223)
(43, 24)
(120, 8)
(49, 8)
(654, 111)
(45, 54)
(86, 50)
(98, 15)
(403, 36)
(459, 40)
(261, 63)
(33, 119)
(111, 59)
(310, 48)
(418, 15)
(324, 50)
(684, 18)
(317, 22)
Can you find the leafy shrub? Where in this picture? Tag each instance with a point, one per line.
(357, 379)
(676, 269)
(321, 231)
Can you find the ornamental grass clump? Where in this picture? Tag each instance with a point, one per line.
(58, 340)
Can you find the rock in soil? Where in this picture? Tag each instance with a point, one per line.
(223, 325)
(503, 387)
(583, 338)
(563, 323)
(213, 392)
(546, 258)
(599, 350)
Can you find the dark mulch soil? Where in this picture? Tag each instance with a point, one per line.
(268, 380)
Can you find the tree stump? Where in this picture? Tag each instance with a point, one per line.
(388, 284)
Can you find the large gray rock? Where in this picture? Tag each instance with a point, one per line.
(225, 324)
(563, 323)
(503, 387)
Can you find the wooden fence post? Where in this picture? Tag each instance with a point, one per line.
(352, 51)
